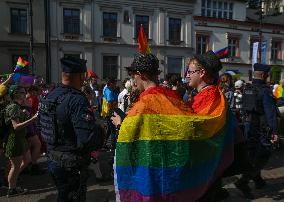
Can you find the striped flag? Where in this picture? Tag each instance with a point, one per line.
(166, 152)
(21, 63)
(222, 53)
(143, 42)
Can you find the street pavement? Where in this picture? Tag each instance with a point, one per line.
(42, 188)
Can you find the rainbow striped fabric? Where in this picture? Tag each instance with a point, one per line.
(167, 152)
(21, 63)
(278, 92)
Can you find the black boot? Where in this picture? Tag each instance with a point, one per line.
(259, 182)
(242, 185)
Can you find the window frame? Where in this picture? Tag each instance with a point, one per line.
(104, 75)
(73, 54)
(237, 47)
(217, 9)
(11, 20)
(64, 21)
(168, 67)
(175, 41)
(136, 27)
(116, 27)
(207, 42)
(276, 52)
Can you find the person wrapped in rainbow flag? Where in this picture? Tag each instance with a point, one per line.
(166, 150)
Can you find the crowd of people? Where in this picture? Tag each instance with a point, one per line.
(140, 117)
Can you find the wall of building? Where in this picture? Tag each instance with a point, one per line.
(18, 44)
(92, 46)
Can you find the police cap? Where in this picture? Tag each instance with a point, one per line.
(261, 67)
(73, 65)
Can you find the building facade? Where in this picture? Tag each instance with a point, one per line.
(218, 24)
(105, 33)
(15, 34)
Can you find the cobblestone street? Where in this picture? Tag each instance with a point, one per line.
(42, 188)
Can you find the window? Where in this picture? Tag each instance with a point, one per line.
(71, 20)
(233, 46)
(276, 53)
(217, 9)
(110, 24)
(75, 55)
(202, 44)
(110, 66)
(174, 65)
(18, 20)
(231, 7)
(142, 20)
(174, 30)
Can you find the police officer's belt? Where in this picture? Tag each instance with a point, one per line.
(66, 159)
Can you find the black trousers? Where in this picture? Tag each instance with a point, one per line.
(70, 183)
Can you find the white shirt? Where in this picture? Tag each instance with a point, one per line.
(121, 99)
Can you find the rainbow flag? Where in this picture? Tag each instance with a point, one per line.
(143, 42)
(21, 63)
(278, 92)
(222, 53)
(167, 152)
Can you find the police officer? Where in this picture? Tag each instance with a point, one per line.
(260, 126)
(68, 128)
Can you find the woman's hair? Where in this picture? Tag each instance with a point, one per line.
(13, 90)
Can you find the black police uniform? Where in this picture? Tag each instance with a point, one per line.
(260, 124)
(67, 126)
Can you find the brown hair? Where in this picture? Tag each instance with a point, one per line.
(209, 79)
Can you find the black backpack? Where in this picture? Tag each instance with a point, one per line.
(252, 99)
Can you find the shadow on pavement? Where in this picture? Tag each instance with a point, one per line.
(276, 160)
(273, 190)
(102, 195)
(37, 184)
(49, 198)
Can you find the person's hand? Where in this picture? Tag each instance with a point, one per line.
(274, 138)
(116, 119)
(8, 80)
(35, 116)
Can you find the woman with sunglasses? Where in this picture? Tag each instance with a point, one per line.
(16, 148)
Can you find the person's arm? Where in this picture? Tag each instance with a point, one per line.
(83, 121)
(8, 81)
(18, 126)
(3, 86)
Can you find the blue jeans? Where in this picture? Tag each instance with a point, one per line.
(70, 183)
